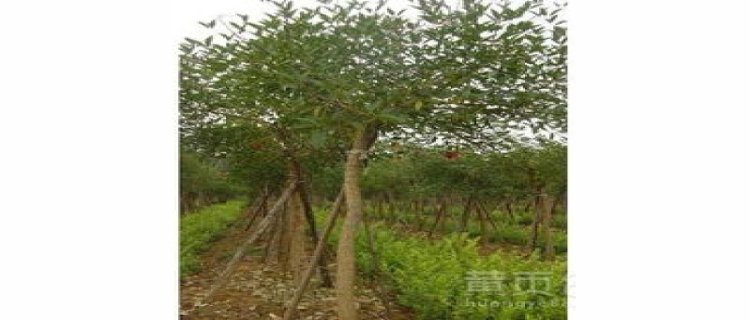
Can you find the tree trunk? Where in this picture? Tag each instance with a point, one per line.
(280, 249)
(465, 215)
(256, 209)
(440, 212)
(291, 307)
(346, 251)
(482, 229)
(531, 245)
(391, 208)
(296, 230)
(509, 207)
(549, 245)
(310, 217)
(380, 208)
(264, 205)
(273, 236)
(422, 215)
(563, 199)
(240, 252)
(554, 205)
(444, 216)
(488, 216)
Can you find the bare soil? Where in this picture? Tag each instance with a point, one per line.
(258, 289)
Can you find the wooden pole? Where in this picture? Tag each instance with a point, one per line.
(291, 307)
(240, 252)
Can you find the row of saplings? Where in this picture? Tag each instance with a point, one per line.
(286, 223)
(538, 223)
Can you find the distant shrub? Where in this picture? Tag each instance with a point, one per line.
(202, 183)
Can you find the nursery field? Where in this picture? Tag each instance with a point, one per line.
(352, 160)
(406, 273)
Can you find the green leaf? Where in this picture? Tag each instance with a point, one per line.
(393, 118)
(318, 139)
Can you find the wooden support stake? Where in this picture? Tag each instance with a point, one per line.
(291, 307)
(232, 265)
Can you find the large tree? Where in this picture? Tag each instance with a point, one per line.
(346, 75)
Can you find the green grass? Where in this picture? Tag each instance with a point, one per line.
(199, 229)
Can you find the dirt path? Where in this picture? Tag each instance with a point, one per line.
(257, 290)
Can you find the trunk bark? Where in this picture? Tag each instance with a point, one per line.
(310, 217)
(346, 255)
(291, 307)
(488, 216)
(465, 215)
(282, 237)
(440, 212)
(380, 208)
(531, 245)
(445, 215)
(273, 237)
(256, 209)
(509, 207)
(549, 245)
(482, 229)
(296, 230)
(391, 208)
(422, 214)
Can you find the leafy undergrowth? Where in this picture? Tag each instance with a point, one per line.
(430, 278)
(199, 229)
